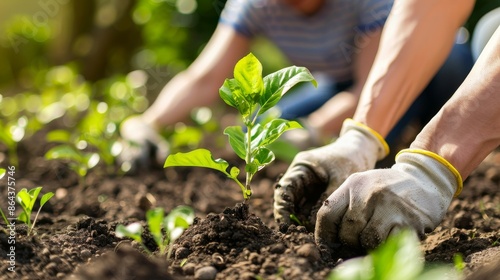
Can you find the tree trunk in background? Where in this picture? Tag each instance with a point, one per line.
(99, 49)
(112, 45)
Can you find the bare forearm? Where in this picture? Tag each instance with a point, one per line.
(467, 128)
(199, 84)
(179, 97)
(416, 39)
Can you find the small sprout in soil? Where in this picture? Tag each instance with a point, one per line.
(295, 219)
(80, 161)
(27, 201)
(252, 96)
(458, 262)
(164, 229)
(183, 262)
(132, 231)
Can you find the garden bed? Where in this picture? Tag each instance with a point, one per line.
(75, 236)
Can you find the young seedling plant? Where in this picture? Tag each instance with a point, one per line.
(400, 257)
(164, 229)
(72, 150)
(252, 96)
(27, 198)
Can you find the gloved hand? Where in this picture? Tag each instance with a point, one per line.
(141, 143)
(414, 193)
(324, 169)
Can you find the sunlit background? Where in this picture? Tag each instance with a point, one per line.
(74, 60)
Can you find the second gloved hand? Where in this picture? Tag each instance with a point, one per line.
(141, 144)
(323, 169)
(415, 193)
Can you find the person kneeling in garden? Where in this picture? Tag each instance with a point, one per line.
(336, 40)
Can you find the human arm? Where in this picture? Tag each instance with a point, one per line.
(327, 120)
(418, 189)
(199, 84)
(416, 40)
(467, 128)
(323, 169)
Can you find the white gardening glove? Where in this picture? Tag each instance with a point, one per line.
(415, 193)
(323, 169)
(142, 144)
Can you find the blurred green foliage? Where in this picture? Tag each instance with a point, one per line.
(63, 61)
(400, 257)
(174, 31)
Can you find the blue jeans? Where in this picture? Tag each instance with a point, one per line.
(306, 99)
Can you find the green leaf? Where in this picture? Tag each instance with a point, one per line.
(46, 198)
(399, 257)
(235, 171)
(278, 83)
(179, 219)
(33, 193)
(59, 135)
(23, 217)
(184, 211)
(197, 158)
(6, 137)
(236, 140)
(133, 231)
(262, 157)
(81, 170)
(401, 250)
(248, 73)
(271, 131)
(24, 199)
(64, 152)
(232, 94)
(155, 219)
(2, 172)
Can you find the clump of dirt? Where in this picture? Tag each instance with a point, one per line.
(124, 263)
(237, 245)
(76, 227)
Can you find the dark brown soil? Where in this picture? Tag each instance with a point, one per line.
(74, 237)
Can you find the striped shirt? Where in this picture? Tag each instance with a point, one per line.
(324, 42)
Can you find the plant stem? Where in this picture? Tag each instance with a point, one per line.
(248, 159)
(146, 249)
(34, 221)
(169, 253)
(4, 218)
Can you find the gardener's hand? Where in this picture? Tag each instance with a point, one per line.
(415, 193)
(324, 169)
(141, 144)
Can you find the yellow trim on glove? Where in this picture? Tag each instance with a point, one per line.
(460, 183)
(372, 131)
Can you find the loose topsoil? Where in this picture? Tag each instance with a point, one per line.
(75, 239)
